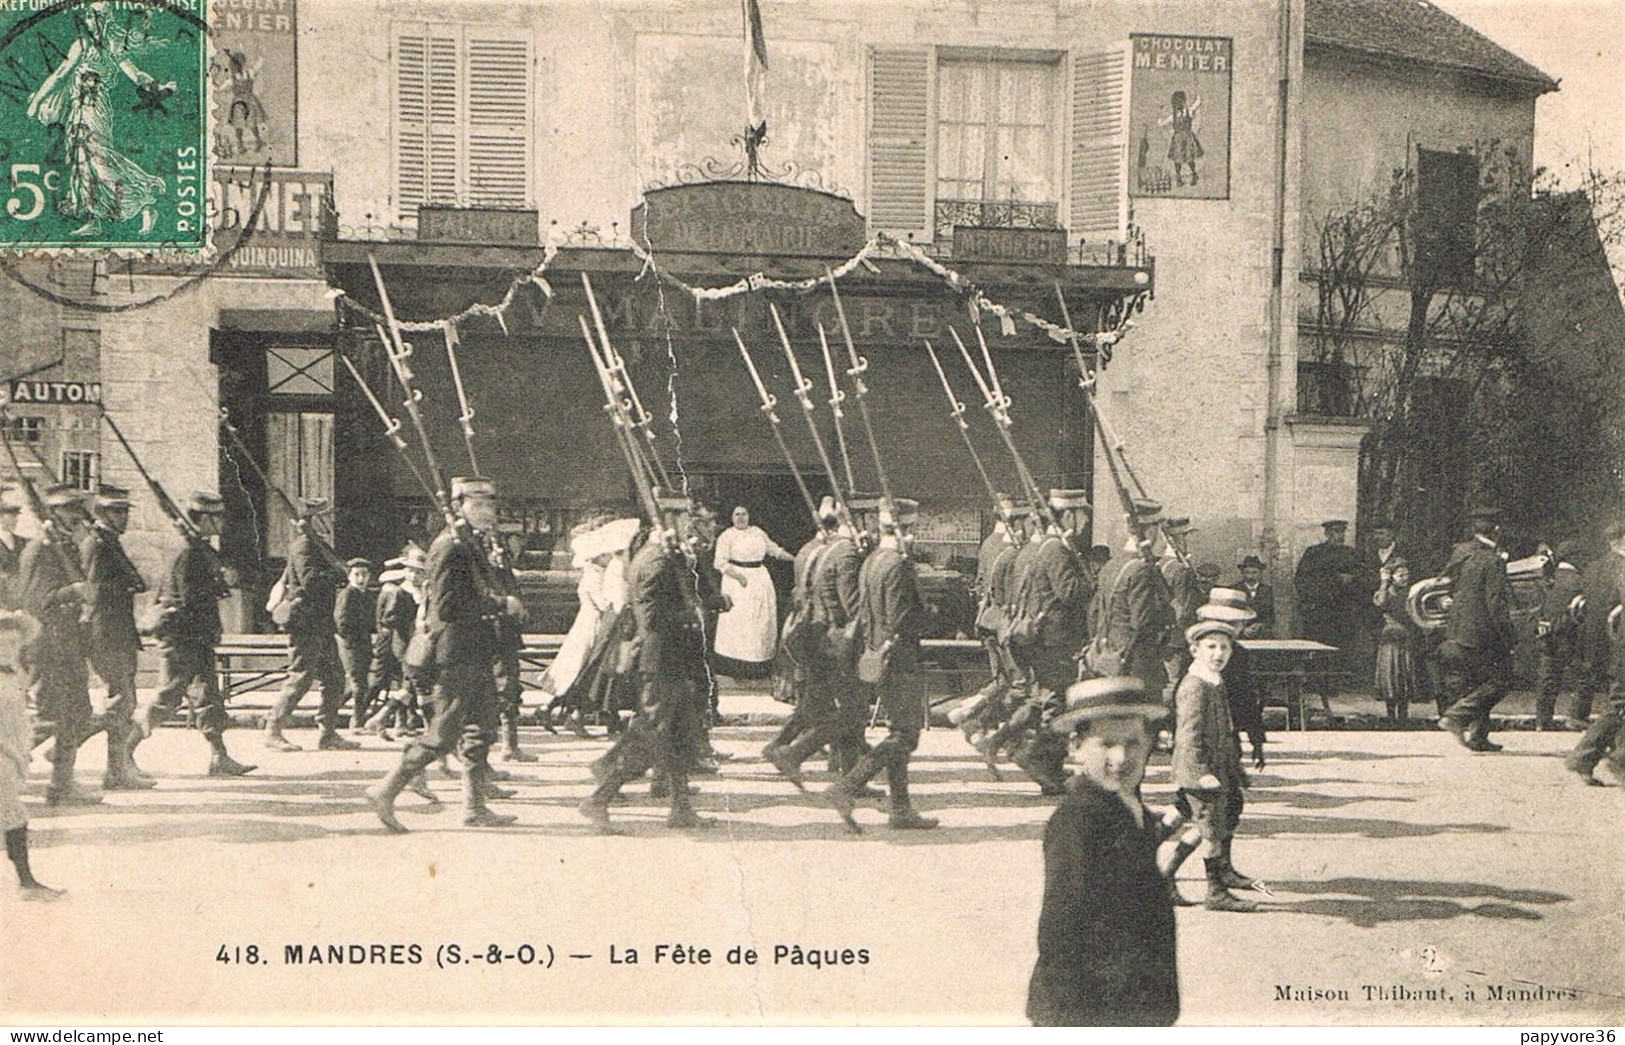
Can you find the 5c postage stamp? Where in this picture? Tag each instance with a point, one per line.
(103, 125)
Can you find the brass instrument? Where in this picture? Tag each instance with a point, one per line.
(1429, 599)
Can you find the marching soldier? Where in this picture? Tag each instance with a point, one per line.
(836, 601)
(12, 544)
(17, 631)
(1056, 596)
(355, 618)
(1477, 650)
(810, 725)
(1605, 738)
(666, 604)
(53, 594)
(1133, 611)
(1558, 632)
(463, 608)
(510, 641)
(892, 615)
(190, 594)
(1184, 594)
(111, 584)
(1027, 546)
(995, 562)
(396, 616)
(313, 654)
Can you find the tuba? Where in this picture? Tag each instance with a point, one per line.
(1429, 599)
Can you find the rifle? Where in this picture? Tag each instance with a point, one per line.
(997, 404)
(802, 387)
(770, 404)
(165, 503)
(304, 524)
(52, 530)
(1114, 447)
(956, 411)
(859, 367)
(466, 418)
(836, 398)
(620, 380)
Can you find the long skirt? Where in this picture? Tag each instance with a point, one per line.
(1397, 680)
(747, 634)
(573, 650)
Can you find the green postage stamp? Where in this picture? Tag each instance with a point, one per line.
(103, 125)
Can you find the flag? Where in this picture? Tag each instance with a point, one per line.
(755, 68)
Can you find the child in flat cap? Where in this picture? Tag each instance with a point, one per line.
(17, 630)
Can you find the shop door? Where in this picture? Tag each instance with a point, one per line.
(775, 505)
(299, 452)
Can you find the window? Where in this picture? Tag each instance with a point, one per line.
(463, 118)
(81, 468)
(997, 123)
(1446, 216)
(29, 429)
(298, 370)
(997, 137)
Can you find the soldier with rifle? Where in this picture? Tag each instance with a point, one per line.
(187, 631)
(464, 609)
(510, 640)
(312, 580)
(52, 583)
(111, 584)
(891, 618)
(1184, 594)
(990, 708)
(1132, 612)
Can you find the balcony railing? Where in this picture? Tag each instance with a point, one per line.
(995, 214)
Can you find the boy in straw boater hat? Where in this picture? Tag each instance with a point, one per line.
(1106, 947)
(17, 630)
(1207, 763)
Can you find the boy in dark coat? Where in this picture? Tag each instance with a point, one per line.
(1106, 946)
(355, 617)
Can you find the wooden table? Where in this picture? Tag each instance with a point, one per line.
(1281, 666)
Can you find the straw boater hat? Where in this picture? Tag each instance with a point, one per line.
(1119, 697)
(358, 562)
(1178, 527)
(1227, 605)
(205, 503)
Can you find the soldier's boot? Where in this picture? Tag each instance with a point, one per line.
(1170, 870)
(788, 760)
(62, 791)
(274, 738)
(1219, 896)
(1040, 760)
(843, 794)
(381, 796)
(903, 815)
(221, 763)
(419, 785)
(511, 752)
(121, 774)
(331, 740)
(1003, 737)
(475, 812)
(1233, 878)
(142, 724)
(29, 887)
(682, 808)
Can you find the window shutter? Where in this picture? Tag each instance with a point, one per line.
(443, 115)
(899, 141)
(1098, 173)
(411, 121)
(499, 120)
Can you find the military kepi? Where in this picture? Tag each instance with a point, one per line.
(1117, 697)
(465, 485)
(206, 503)
(1064, 500)
(902, 512)
(109, 497)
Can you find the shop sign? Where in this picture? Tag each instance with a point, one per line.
(508, 226)
(293, 206)
(1038, 246)
(71, 393)
(740, 217)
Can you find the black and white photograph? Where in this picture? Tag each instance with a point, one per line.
(864, 513)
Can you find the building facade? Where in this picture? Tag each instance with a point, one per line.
(1159, 162)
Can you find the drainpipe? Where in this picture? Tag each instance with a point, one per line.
(1270, 538)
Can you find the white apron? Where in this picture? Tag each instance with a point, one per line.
(749, 631)
(578, 640)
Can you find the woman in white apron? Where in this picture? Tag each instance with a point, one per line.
(589, 558)
(748, 632)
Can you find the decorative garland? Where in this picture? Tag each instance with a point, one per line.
(758, 281)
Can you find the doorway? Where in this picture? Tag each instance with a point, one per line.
(775, 505)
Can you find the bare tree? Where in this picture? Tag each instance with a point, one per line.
(1461, 327)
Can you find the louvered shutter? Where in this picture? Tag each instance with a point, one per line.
(900, 141)
(411, 121)
(1098, 172)
(444, 115)
(499, 120)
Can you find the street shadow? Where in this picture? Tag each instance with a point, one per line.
(1278, 826)
(1379, 901)
(1291, 757)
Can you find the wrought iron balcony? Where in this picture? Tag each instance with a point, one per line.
(995, 214)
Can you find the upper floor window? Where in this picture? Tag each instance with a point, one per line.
(997, 127)
(27, 428)
(998, 137)
(463, 117)
(81, 468)
(1447, 196)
